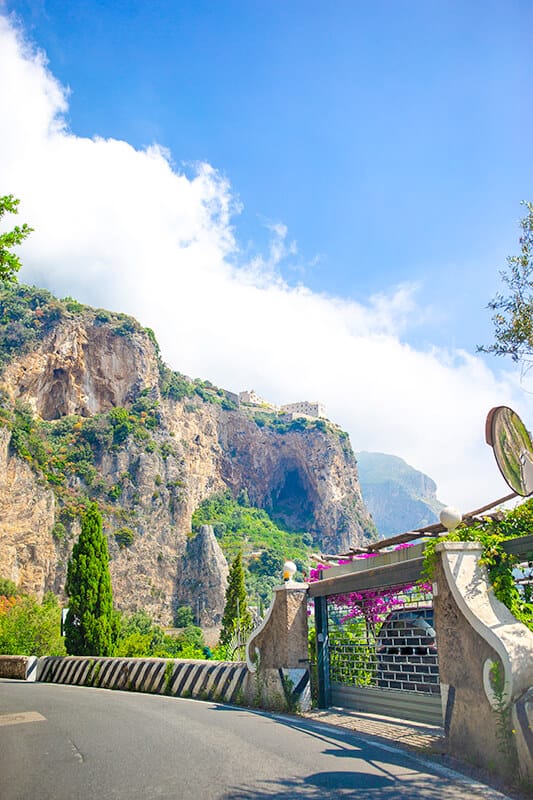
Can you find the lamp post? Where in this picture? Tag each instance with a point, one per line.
(289, 570)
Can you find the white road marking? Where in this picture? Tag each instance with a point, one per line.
(22, 716)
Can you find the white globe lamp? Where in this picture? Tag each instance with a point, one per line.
(450, 517)
(289, 570)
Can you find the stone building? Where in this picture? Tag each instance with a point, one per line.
(308, 409)
(253, 399)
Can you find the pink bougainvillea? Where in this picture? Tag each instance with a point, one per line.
(371, 605)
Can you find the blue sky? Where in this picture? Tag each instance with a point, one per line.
(358, 146)
(390, 138)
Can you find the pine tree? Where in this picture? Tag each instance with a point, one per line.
(89, 626)
(237, 618)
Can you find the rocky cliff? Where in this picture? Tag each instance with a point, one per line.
(399, 497)
(89, 410)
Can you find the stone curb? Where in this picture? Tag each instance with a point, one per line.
(19, 667)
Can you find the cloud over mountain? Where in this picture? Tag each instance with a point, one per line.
(127, 229)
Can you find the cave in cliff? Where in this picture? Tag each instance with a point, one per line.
(291, 504)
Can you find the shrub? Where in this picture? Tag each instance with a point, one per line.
(115, 491)
(174, 385)
(268, 563)
(73, 306)
(121, 424)
(25, 314)
(136, 645)
(184, 616)
(127, 327)
(30, 628)
(8, 588)
(59, 531)
(124, 537)
(192, 635)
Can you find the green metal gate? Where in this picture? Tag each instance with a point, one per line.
(383, 654)
(376, 645)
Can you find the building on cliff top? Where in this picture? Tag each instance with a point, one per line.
(305, 408)
(254, 400)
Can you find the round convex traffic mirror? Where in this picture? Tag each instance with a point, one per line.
(513, 449)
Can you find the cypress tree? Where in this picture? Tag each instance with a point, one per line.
(237, 618)
(89, 626)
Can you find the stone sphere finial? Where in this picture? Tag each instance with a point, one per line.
(450, 517)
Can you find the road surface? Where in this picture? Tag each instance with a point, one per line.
(76, 743)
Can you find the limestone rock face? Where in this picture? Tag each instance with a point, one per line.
(83, 369)
(203, 583)
(28, 555)
(306, 478)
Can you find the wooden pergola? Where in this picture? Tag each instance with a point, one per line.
(387, 569)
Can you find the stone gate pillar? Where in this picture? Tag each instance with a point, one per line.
(481, 644)
(277, 652)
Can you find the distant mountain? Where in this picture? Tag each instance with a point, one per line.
(399, 497)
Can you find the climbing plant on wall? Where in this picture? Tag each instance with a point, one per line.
(492, 533)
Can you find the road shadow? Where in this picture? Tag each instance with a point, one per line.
(340, 742)
(417, 779)
(355, 785)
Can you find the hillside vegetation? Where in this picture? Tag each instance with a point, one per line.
(264, 546)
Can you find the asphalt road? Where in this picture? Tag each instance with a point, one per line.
(75, 743)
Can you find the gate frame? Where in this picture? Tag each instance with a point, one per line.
(388, 571)
(322, 651)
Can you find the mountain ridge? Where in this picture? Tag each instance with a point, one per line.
(399, 497)
(89, 411)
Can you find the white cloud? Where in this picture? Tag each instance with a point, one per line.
(122, 228)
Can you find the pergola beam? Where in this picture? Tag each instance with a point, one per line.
(389, 575)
